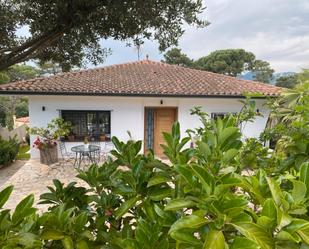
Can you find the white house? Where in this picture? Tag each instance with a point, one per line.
(143, 97)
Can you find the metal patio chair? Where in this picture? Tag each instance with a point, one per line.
(108, 146)
(66, 156)
(97, 154)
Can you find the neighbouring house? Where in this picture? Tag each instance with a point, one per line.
(20, 121)
(143, 97)
(19, 131)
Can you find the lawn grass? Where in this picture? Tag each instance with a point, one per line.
(23, 152)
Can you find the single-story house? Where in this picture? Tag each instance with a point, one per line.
(143, 97)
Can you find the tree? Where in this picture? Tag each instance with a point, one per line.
(176, 57)
(21, 109)
(68, 32)
(48, 68)
(4, 78)
(230, 62)
(289, 81)
(304, 76)
(262, 71)
(14, 105)
(18, 72)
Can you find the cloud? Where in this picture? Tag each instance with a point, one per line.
(274, 30)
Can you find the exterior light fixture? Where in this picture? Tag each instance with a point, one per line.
(161, 102)
(43, 108)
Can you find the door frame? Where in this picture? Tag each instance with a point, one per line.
(145, 120)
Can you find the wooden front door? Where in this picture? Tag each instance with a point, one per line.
(163, 122)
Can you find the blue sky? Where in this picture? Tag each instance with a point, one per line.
(274, 30)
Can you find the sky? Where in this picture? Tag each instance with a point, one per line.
(274, 30)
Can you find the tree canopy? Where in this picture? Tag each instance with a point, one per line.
(291, 81)
(304, 76)
(18, 72)
(287, 81)
(262, 71)
(230, 62)
(176, 57)
(68, 32)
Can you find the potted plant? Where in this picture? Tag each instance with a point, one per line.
(86, 142)
(87, 137)
(107, 137)
(102, 137)
(47, 138)
(71, 136)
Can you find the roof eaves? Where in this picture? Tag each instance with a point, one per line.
(31, 93)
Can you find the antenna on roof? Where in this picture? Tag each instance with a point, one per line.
(138, 48)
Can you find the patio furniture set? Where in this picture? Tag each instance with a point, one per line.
(94, 152)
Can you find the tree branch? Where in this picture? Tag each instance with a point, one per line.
(26, 50)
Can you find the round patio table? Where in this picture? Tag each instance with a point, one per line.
(82, 151)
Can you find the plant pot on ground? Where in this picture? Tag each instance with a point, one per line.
(103, 137)
(49, 155)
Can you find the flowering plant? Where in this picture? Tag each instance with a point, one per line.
(47, 137)
(43, 144)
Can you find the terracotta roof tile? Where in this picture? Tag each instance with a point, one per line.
(145, 78)
(23, 120)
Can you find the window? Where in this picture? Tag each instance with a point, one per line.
(221, 115)
(149, 125)
(216, 115)
(95, 125)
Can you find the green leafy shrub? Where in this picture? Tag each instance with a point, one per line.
(221, 193)
(290, 118)
(8, 150)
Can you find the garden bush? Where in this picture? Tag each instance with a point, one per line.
(8, 150)
(222, 193)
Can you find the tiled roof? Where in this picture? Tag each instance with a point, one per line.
(142, 78)
(23, 120)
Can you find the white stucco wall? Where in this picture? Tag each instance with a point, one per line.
(127, 113)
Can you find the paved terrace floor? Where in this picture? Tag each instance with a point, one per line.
(8, 171)
(32, 177)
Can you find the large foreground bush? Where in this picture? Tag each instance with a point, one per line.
(8, 151)
(224, 193)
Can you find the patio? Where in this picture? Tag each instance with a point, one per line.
(33, 177)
